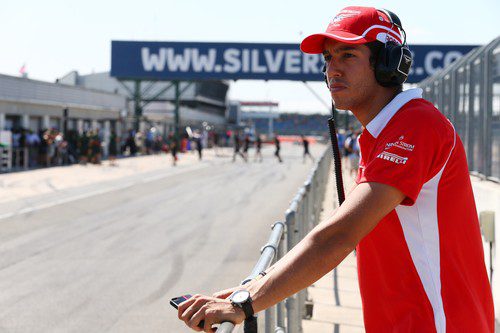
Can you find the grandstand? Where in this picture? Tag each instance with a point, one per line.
(307, 124)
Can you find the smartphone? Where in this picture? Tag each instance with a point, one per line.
(178, 300)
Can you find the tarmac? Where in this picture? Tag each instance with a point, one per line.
(30, 183)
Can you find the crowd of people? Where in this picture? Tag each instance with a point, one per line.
(248, 142)
(52, 147)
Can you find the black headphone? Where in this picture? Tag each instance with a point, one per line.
(393, 62)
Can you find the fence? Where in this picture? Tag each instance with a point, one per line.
(13, 158)
(301, 216)
(468, 93)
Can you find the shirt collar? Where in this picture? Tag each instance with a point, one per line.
(377, 124)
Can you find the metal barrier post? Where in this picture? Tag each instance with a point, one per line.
(307, 305)
(270, 317)
(310, 208)
(291, 302)
(280, 307)
(317, 196)
(303, 226)
(25, 159)
(5, 159)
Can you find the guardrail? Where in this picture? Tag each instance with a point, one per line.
(302, 215)
(13, 158)
(466, 92)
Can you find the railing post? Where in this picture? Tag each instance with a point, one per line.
(291, 302)
(270, 318)
(25, 158)
(302, 225)
(280, 307)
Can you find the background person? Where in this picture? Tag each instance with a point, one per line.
(199, 145)
(113, 148)
(258, 148)
(237, 146)
(278, 148)
(246, 146)
(305, 144)
(352, 148)
(173, 148)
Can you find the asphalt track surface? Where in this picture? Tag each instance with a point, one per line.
(110, 261)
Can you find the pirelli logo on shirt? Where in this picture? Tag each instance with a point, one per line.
(392, 157)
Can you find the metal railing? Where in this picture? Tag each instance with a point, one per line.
(302, 215)
(13, 158)
(468, 93)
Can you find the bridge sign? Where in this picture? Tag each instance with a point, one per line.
(233, 61)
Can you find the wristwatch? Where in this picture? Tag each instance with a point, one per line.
(242, 299)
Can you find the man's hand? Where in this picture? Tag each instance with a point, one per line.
(209, 309)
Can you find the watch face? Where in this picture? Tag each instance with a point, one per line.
(240, 296)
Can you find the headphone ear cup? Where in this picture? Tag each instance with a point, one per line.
(393, 65)
(405, 62)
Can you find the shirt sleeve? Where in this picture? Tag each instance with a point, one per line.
(407, 156)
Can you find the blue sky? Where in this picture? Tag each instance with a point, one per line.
(53, 37)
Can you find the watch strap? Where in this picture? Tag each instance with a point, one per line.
(250, 325)
(247, 308)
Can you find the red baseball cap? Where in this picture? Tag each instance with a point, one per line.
(355, 25)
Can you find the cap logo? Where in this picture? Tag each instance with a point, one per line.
(345, 14)
(385, 37)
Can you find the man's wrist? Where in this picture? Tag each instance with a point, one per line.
(241, 298)
(240, 314)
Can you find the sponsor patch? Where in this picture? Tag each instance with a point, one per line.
(392, 157)
(400, 144)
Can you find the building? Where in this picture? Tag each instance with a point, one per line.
(202, 103)
(37, 105)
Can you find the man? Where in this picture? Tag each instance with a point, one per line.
(246, 146)
(305, 144)
(199, 144)
(215, 139)
(237, 145)
(411, 215)
(278, 148)
(174, 148)
(258, 148)
(352, 147)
